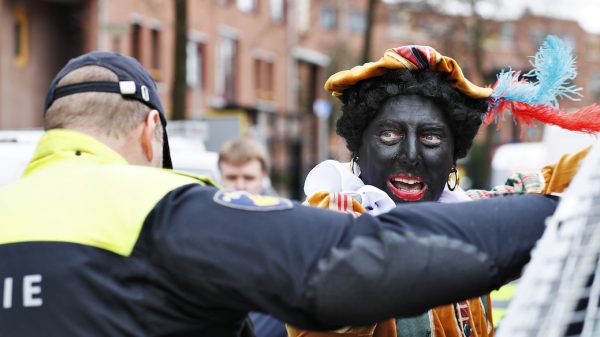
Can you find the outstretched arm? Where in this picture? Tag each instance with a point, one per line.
(318, 269)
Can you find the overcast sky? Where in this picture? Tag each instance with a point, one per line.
(587, 12)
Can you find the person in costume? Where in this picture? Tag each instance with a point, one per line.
(407, 118)
(100, 237)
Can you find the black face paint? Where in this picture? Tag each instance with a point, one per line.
(407, 149)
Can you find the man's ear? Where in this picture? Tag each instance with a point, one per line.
(151, 122)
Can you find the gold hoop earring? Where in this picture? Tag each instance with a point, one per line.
(353, 165)
(456, 179)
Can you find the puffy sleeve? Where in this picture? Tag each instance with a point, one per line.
(321, 270)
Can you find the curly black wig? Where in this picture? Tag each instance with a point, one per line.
(363, 101)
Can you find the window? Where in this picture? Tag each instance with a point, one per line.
(269, 82)
(246, 5)
(21, 37)
(399, 25)
(302, 10)
(537, 36)
(155, 49)
(116, 43)
(570, 40)
(136, 41)
(593, 48)
(263, 79)
(328, 18)
(358, 23)
(225, 82)
(594, 86)
(195, 66)
(277, 10)
(507, 33)
(18, 43)
(257, 82)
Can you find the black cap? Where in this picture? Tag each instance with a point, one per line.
(134, 83)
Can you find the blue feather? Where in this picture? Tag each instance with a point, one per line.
(554, 69)
(508, 87)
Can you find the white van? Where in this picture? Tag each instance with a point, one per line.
(523, 157)
(186, 142)
(16, 150)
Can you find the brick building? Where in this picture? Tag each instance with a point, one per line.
(264, 60)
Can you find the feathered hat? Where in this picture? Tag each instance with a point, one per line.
(553, 71)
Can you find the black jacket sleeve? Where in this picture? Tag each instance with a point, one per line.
(319, 269)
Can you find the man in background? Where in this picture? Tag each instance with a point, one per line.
(244, 165)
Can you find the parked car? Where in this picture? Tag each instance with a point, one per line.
(186, 142)
(16, 149)
(522, 157)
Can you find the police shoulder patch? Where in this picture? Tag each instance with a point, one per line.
(250, 201)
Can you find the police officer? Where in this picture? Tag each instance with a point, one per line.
(94, 241)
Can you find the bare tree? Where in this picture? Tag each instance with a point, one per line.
(470, 21)
(366, 57)
(179, 88)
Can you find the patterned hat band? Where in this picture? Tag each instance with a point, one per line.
(554, 69)
(411, 57)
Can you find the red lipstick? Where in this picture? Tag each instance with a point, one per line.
(407, 187)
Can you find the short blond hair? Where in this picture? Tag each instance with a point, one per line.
(242, 150)
(108, 113)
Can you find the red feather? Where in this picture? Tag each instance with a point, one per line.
(586, 119)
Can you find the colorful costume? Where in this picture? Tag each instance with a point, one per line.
(332, 185)
(335, 186)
